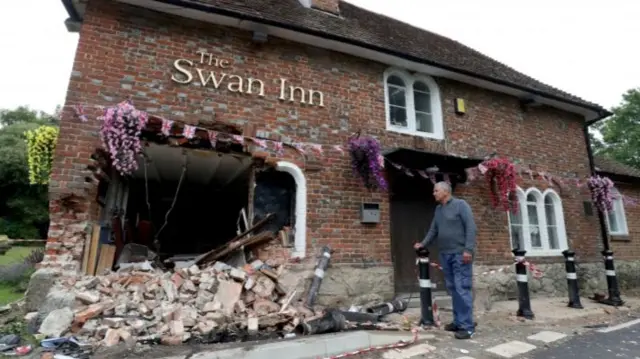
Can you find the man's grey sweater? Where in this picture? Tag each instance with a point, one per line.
(453, 228)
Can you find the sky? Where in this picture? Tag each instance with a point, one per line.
(587, 48)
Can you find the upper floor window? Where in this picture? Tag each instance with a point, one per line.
(616, 218)
(413, 104)
(538, 226)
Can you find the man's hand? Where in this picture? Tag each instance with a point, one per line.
(467, 257)
(417, 245)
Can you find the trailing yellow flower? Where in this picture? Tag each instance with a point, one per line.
(41, 144)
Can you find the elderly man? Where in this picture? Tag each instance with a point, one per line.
(454, 231)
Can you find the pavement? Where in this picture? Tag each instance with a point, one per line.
(597, 331)
(622, 342)
(551, 334)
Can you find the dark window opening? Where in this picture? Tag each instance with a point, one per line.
(275, 193)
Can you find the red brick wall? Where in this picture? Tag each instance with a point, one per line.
(126, 52)
(628, 247)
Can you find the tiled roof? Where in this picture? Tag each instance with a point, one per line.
(361, 26)
(604, 164)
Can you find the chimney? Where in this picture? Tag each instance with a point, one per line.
(330, 6)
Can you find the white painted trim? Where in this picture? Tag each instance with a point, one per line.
(300, 227)
(545, 251)
(620, 326)
(357, 51)
(619, 215)
(436, 104)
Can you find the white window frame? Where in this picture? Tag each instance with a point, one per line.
(620, 216)
(561, 232)
(436, 104)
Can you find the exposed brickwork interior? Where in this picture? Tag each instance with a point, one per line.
(127, 52)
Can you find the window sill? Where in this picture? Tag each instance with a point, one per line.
(553, 253)
(433, 136)
(620, 237)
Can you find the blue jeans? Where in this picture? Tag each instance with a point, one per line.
(458, 278)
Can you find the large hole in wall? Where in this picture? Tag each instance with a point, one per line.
(204, 213)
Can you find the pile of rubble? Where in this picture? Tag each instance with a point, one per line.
(173, 307)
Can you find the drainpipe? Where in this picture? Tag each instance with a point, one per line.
(612, 282)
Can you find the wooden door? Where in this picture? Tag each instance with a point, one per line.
(412, 209)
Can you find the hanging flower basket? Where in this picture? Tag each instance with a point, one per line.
(365, 161)
(120, 134)
(501, 179)
(600, 188)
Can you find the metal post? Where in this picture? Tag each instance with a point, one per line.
(322, 265)
(396, 305)
(612, 281)
(524, 302)
(426, 302)
(572, 279)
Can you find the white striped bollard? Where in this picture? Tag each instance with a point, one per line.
(426, 302)
(612, 281)
(572, 279)
(524, 301)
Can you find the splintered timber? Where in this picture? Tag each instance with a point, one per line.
(188, 70)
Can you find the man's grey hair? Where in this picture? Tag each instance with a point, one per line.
(444, 186)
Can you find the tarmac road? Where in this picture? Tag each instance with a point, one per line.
(623, 343)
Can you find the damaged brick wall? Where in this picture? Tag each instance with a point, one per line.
(127, 52)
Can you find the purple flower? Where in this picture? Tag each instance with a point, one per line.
(120, 135)
(365, 154)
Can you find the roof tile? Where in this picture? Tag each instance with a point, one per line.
(364, 26)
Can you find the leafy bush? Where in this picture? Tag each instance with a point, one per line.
(16, 274)
(36, 256)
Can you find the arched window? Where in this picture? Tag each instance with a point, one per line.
(616, 218)
(538, 227)
(413, 104)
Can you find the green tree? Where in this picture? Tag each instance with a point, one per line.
(24, 211)
(621, 132)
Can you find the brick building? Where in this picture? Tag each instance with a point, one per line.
(309, 74)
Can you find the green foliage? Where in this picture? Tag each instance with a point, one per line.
(24, 211)
(621, 132)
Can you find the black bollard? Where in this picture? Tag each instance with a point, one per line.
(426, 303)
(612, 281)
(572, 279)
(524, 302)
(322, 265)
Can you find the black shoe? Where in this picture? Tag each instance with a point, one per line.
(464, 334)
(451, 327)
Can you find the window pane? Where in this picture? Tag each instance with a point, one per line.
(424, 122)
(553, 237)
(531, 197)
(536, 241)
(550, 211)
(613, 222)
(395, 80)
(422, 100)
(398, 116)
(517, 237)
(532, 211)
(515, 218)
(419, 86)
(397, 96)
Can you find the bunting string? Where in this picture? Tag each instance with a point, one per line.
(472, 173)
